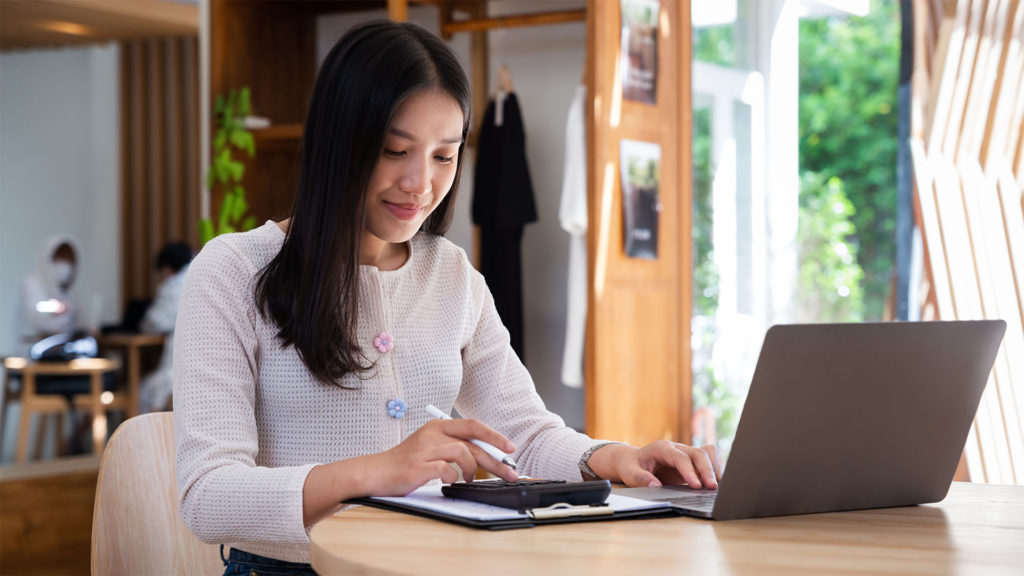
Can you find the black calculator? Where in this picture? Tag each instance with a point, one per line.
(527, 493)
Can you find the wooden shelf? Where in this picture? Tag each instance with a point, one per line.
(538, 19)
(287, 132)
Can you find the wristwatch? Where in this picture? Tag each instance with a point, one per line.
(584, 463)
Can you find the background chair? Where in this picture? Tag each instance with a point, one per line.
(31, 403)
(136, 526)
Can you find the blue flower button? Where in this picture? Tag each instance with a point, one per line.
(396, 408)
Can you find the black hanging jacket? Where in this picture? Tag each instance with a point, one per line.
(502, 192)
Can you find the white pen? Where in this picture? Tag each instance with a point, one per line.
(491, 450)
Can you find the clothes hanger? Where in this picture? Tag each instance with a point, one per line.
(504, 81)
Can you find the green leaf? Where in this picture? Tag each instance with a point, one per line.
(249, 144)
(205, 231)
(244, 102)
(219, 139)
(237, 170)
(222, 172)
(240, 205)
(218, 106)
(249, 223)
(226, 209)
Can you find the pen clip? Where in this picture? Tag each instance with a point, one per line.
(564, 510)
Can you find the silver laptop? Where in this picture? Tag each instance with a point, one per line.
(848, 417)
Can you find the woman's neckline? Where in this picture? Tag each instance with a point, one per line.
(282, 230)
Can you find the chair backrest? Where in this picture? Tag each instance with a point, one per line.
(136, 527)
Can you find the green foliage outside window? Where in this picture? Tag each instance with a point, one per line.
(849, 82)
(226, 172)
(848, 142)
(829, 283)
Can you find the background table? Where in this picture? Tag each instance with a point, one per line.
(977, 529)
(131, 343)
(32, 402)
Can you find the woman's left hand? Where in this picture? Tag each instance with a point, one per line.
(658, 463)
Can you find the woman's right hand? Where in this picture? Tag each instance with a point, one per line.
(429, 452)
(425, 455)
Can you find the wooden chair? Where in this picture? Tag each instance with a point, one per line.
(32, 403)
(136, 526)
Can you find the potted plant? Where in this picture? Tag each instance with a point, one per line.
(226, 171)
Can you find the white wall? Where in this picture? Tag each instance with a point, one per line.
(59, 172)
(545, 63)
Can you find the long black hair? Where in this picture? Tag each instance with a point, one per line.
(310, 289)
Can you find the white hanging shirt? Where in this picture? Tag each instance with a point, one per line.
(572, 213)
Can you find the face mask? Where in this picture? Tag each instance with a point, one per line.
(62, 272)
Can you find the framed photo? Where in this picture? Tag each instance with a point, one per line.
(639, 48)
(640, 170)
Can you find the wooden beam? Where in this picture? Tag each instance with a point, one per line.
(445, 11)
(480, 76)
(398, 10)
(537, 19)
(44, 23)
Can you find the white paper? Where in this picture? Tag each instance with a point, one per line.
(430, 498)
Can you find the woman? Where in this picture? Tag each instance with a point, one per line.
(307, 350)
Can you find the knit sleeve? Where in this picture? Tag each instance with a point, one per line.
(498, 390)
(223, 495)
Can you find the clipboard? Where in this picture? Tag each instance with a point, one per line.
(428, 502)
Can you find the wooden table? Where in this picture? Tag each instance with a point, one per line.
(93, 402)
(978, 528)
(132, 344)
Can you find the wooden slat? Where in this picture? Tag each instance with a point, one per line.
(979, 108)
(138, 145)
(962, 81)
(156, 193)
(960, 248)
(193, 173)
(126, 154)
(930, 224)
(160, 150)
(969, 198)
(1008, 70)
(175, 121)
(1013, 221)
(951, 42)
(991, 266)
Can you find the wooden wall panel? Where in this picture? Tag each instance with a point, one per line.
(968, 200)
(159, 151)
(269, 47)
(46, 516)
(638, 324)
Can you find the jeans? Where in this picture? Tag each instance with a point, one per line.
(240, 563)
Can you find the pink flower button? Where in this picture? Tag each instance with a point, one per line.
(383, 342)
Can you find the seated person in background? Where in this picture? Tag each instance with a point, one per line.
(171, 265)
(46, 304)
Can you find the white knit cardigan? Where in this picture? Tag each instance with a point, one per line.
(250, 421)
